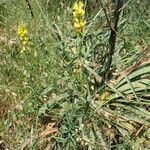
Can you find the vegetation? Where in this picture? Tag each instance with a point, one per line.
(75, 75)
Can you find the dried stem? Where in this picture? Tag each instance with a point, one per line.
(112, 39)
(30, 8)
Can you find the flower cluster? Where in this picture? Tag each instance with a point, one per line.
(78, 13)
(23, 35)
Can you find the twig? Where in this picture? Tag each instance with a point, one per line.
(112, 39)
(137, 133)
(30, 8)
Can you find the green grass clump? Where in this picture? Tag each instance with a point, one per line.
(68, 91)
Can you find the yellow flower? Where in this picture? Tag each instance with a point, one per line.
(78, 10)
(77, 5)
(79, 13)
(79, 25)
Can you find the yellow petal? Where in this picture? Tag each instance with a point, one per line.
(75, 6)
(80, 4)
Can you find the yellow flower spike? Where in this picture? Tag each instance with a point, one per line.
(23, 36)
(78, 13)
